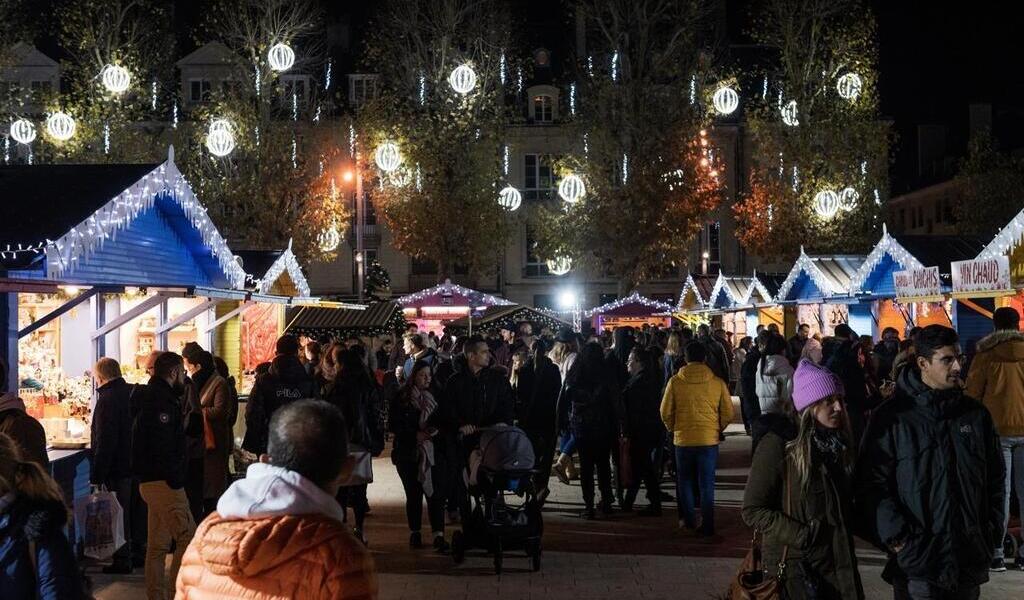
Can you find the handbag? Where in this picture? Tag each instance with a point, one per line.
(753, 581)
(625, 463)
(362, 471)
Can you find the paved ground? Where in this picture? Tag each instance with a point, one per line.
(622, 557)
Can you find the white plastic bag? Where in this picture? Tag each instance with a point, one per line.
(99, 523)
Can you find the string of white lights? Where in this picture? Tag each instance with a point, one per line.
(448, 288)
(634, 298)
(885, 246)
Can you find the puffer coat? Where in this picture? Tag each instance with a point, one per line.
(293, 557)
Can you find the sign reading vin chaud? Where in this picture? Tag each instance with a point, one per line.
(917, 283)
(981, 275)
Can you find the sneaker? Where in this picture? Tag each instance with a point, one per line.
(441, 546)
(1019, 562)
(998, 565)
(360, 536)
(415, 540)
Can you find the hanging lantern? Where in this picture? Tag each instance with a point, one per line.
(789, 114)
(848, 199)
(559, 265)
(726, 100)
(220, 140)
(826, 204)
(388, 157)
(509, 198)
(23, 131)
(115, 78)
(60, 126)
(571, 188)
(329, 239)
(400, 177)
(281, 57)
(462, 79)
(849, 86)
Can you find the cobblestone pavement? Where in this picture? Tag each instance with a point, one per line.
(620, 557)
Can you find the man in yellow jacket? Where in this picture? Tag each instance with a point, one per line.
(996, 379)
(696, 408)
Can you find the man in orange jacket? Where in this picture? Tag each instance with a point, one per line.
(278, 533)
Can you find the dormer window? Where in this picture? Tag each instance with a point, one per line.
(199, 90)
(543, 109)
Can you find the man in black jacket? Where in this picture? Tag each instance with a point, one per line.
(931, 478)
(285, 382)
(749, 405)
(159, 461)
(538, 389)
(111, 441)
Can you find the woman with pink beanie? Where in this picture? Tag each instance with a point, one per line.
(798, 493)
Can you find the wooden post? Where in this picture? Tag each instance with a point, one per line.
(9, 344)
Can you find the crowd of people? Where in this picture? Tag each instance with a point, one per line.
(885, 441)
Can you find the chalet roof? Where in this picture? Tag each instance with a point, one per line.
(211, 53)
(23, 54)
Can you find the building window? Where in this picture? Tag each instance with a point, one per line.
(535, 265)
(538, 178)
(543, 109)
(40, 88)
(545, 301)
(361, 88)
(199, 90)
(423, 266)
(920, 216)
(294, 85)
(713, 247)
(903, 218)
(947, 212)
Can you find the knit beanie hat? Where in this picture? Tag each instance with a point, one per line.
(812, 383)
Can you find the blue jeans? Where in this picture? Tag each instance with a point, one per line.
(696, 463)
(1013, 458)
(568, 443)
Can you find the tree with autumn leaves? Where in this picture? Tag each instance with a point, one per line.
(837, 142)
(641, 149)
(440, 204)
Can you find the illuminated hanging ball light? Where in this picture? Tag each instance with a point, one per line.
(462, 79)
(60, 126)
(388, 157)
(400, 177)
(509, 198)
(571, 188)
(559, 265)
(23, 131)
(281, 57)
(329, 239)
(849, 86)
(115, 78)
(826, 204)
(790, 114)
(220, 140)
(726, 100)
(848, 199)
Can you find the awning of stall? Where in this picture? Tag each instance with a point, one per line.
(634, 309)
(135, 225)
(873, 278)
(508, 315)
(940, 251)
(695, 294)
(819, 279)
(436, 306)
(274, 272)
(738, 293)
(337, 319)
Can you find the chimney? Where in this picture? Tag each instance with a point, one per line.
(979, 118)
(931, 149)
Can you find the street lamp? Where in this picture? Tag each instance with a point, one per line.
(347, 176)
(569, 299)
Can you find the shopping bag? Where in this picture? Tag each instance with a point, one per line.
(99, 524)
(362, 472)
(625, 463)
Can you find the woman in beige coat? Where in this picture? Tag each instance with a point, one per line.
(215, 399)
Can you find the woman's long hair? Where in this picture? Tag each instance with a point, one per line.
(561, 351)
(776, 344)
(801, 449)
(24, 477)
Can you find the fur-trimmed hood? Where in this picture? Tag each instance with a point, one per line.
(33, 519)
(1008, 344)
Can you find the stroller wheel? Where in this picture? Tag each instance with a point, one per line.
(497, 556)
(458, 547)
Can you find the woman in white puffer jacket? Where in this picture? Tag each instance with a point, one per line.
(774, 380)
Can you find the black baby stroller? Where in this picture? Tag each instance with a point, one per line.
(503, 512)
